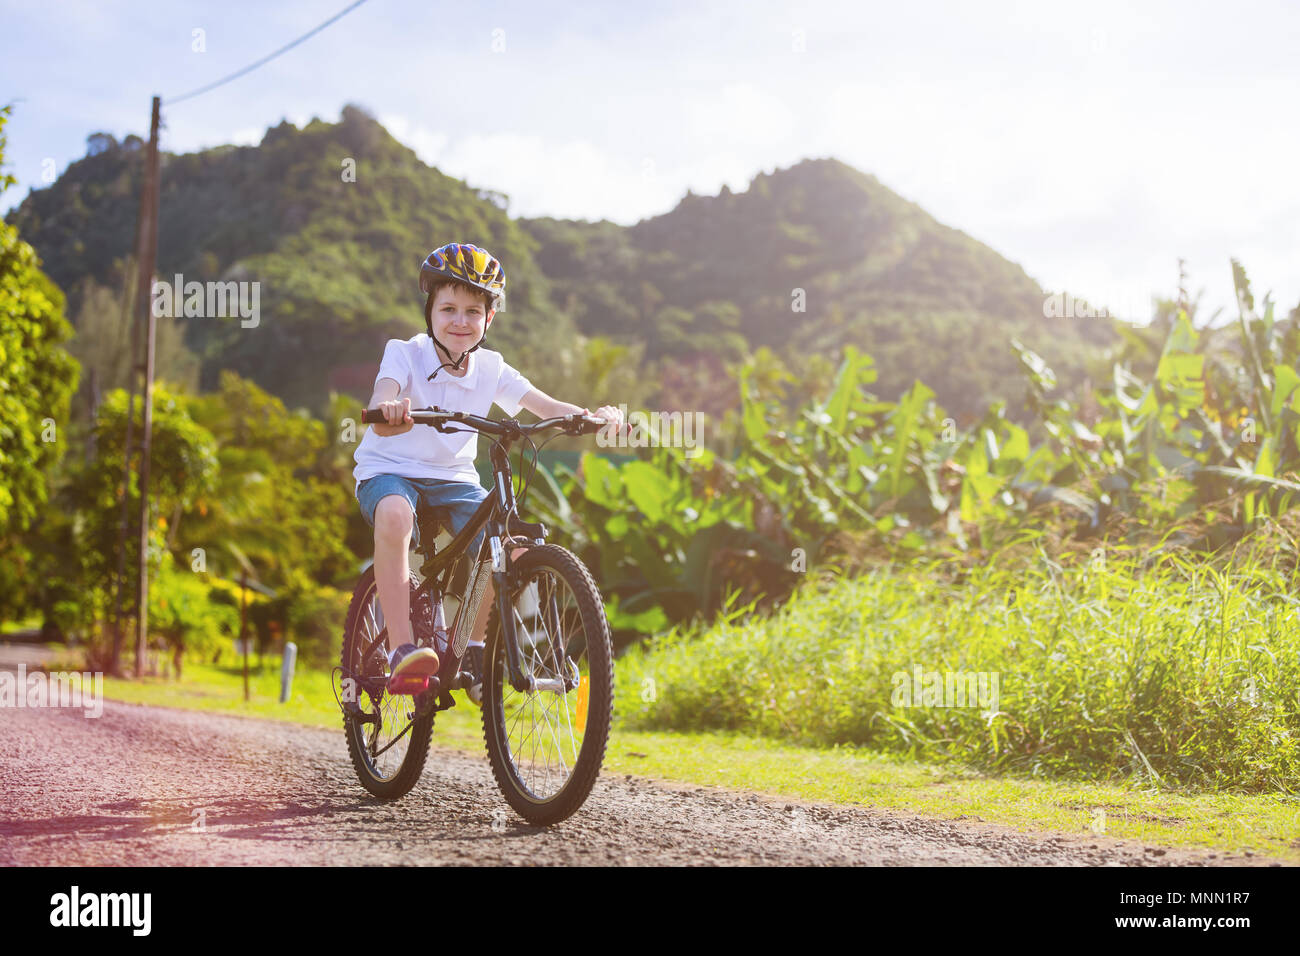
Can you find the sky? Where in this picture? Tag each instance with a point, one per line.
(1093, 144)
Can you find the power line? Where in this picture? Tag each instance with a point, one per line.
(266, 59)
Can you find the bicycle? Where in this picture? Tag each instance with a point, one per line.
(547, 668)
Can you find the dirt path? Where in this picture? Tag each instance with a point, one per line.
(149, 785)
(32, 655)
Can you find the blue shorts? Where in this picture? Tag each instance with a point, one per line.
(461, 499)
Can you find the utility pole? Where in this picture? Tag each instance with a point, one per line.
(133, 371)
(144, 300)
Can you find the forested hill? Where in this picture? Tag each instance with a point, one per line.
(336, 260)
(685, 292)
(876, 271)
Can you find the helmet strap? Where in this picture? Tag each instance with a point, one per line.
(454, 366)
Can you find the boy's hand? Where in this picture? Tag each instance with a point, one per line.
(612, 415)
(399, 418)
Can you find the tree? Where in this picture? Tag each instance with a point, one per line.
(102, 343)
(182, 467)
(183, 612)
(270, 500)
(97, 143)
(37, 379)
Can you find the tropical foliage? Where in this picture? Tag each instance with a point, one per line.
(1196, 431)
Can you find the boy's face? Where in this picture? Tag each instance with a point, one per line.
(459, 317)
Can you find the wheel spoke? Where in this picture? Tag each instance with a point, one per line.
(554, 640)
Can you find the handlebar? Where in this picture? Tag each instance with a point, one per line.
(438, 418)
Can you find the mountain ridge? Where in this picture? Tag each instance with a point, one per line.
(700, 285)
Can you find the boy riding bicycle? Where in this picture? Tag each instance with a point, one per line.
(399, 466)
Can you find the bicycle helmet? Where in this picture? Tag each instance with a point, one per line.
(466, 263)
(469, 265)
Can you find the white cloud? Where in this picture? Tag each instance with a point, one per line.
(568, 179)
(427, 144)
(579, 178)
(739, 116)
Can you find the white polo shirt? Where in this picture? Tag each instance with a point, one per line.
(424, 452)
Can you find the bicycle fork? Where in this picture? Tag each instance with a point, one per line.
(506, 614)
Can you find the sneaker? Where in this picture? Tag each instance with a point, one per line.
(472, 663)
(410, 668)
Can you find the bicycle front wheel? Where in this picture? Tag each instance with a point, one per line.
(546, 744)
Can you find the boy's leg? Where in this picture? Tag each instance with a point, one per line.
(393, 521)
(388, 504)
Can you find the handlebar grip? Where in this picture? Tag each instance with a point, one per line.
(584, 425)
(375, 416)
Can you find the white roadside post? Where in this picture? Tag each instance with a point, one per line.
(286, 671)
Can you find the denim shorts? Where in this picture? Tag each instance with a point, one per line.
(461, 499)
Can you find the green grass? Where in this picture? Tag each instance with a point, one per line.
(1265, 824)
(1175, 675)
(32, 623)
(221, 689)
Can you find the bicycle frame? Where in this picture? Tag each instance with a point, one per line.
(494, 514)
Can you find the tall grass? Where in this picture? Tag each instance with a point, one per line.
(1162, 669)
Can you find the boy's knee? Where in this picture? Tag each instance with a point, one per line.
(392, 517)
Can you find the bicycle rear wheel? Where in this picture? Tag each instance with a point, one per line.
(546, 745)
(388, 734)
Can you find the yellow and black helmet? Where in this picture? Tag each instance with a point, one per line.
(467, 263)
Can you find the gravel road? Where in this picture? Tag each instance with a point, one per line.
(155, 786)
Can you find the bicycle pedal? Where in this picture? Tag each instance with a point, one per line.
(409, 685)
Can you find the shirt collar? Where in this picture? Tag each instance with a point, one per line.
(433, 358)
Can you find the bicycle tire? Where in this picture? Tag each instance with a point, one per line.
(598, 655)
(417, 750)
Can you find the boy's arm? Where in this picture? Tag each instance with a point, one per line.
(385, 397)
(543, 406)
